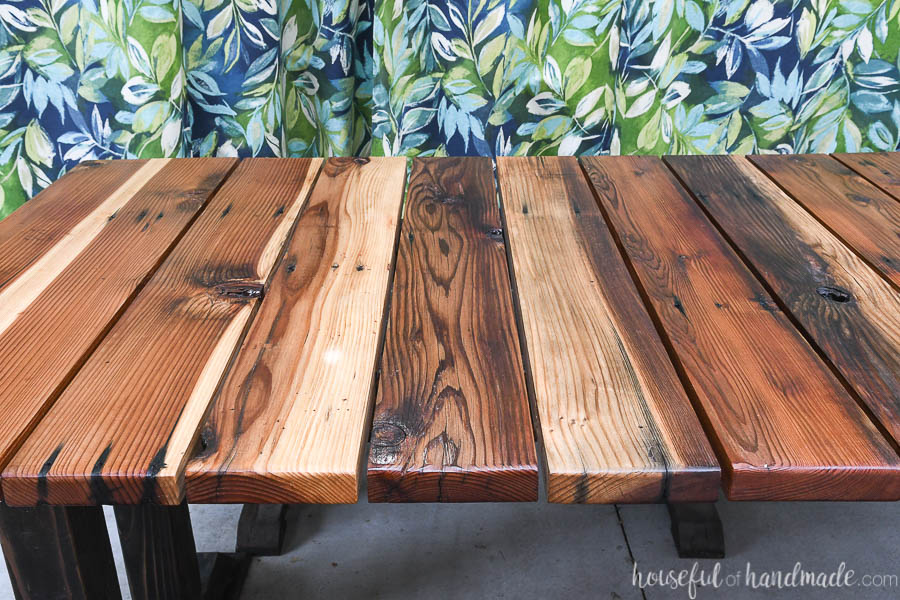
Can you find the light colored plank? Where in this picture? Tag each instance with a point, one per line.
(862, 216)
(290, 422)
(121, 431)
(811, 270)
(452, 421)
(65, 302)
(784, 426)
(616, 423)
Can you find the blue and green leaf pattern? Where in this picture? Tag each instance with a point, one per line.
(139, 78)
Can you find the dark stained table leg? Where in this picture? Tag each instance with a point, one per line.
(160, 555)
(161, 558)
(261, 529)
(58, 552)
(697, 530)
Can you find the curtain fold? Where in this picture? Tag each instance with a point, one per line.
(101, 79)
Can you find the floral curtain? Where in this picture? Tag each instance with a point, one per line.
(140, 78)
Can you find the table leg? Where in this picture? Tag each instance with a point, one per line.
(697, 530)
(161, 558)
(261, 529)
(58, 552)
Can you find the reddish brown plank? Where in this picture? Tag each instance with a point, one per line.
(784, 425)
(849, 311)
(452, 422)
(864, 217)
(43, 221)
(292, 417)
(122, 430)
(616, 423)
(65, 305)
(881, 168)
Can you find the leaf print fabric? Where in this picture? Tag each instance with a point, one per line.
(101, 79)
(635, 76)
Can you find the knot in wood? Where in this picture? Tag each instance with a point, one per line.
(834, 293)
(240, 289)
(387, 434)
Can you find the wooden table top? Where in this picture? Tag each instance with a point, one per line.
(273, 330)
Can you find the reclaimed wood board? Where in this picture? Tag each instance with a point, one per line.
(291, 420)
(452, 421)
(783, 424)
(48, 218)
(121, 431)
(848, 310)
(57, 310)
(881, 168)
(616, 423)
(861, 215)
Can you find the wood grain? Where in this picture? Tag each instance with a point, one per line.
(22, 291)
(122, 430)
(452, 421)
(59, 308)
(289, 425)
(784, 426)
(861, 215)
(43, 221)
(881, 168)
(850, 312)
(616, 423)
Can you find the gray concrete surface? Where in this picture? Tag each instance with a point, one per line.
(542, 551)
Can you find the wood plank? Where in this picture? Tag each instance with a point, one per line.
(60, 307)
(29, 283)
(452, 421)
(289, 425)
(46, 219)
(616, 423)
(850, 312)
(122, 429)
(881, 168)
(864, 217)
(58, 552)
(784, 425)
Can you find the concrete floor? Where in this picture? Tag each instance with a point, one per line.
(541, 551)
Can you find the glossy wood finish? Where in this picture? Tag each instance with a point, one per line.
(862, 216)
(123, 429)
(58, 552)
(228, 350)
(784, 425)
(59, 306)
(616, 423)
(291, 421)
(452, 422)
(848, 310)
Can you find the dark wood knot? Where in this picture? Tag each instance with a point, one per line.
(835, 294)
(240, 289)
(387, 434)
(495, 233)
(361, 160)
